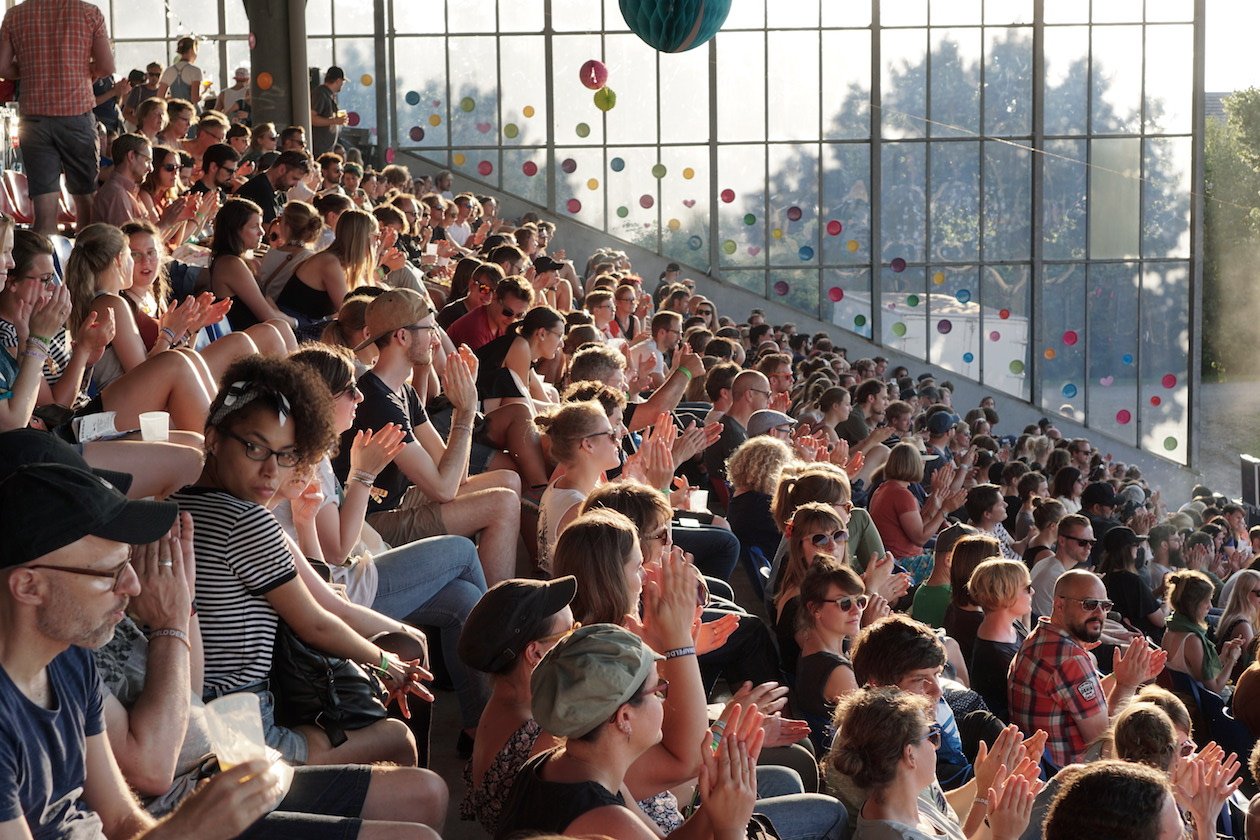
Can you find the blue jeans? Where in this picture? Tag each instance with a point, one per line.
(805, 816)
(436, 582)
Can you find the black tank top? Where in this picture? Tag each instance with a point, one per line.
(536, 806)
(300, 300)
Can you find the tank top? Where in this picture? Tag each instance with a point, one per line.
(536, 806)
(301, 301)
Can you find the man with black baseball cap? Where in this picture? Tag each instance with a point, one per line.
(1098, 505)
(67, 579)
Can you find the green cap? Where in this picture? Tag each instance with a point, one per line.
(585, 678)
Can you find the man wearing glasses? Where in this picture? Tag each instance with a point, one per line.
(1054, 681)
(750, 393)
(1071, 551)
(512, 299)
(218, 168)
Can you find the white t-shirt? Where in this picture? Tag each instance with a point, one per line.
(189, 73)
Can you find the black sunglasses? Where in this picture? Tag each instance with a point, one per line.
(1081, 541)
(171, 167)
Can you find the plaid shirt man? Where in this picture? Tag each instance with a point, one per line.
(53, 41)
(1053, 683)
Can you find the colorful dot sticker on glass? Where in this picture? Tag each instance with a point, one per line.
(582, 130)
(592, 184)
(573, 206)
(389, 155)
(1070, 338)
(834, 228)
(1169, 381)
(1107, 381)
(899, 329)
(1170, 443)
(593, 74)
(1069, 391)
(412, 97)
(794, 214)
(898, 264)
(435, 120)
(944, 327)
(416, 133)
(963, 296)
(912, 300)
(467, 104)
(659, 170)
(616, 164)
(1050, 354)
(968, 358)
(728, 195)
(754, 250)
(568, 165)
(859, 320)
(688, 173)
(750, 219)
(646, 201)
(995, 336)
(484, 168)
(777, 233)
(835, 294)
(366, 79)
(264, 80)
(353, 119)
(458, 159)
(852, 245)
(1004, 314)
(673, 224)
(529, 168)
(781, 288)
(1123, 416)
(729, 246)
(527, 112)
(622, 212)
(806, 253)
(1016, 367)
(695, 243)
(485, 127)
(938, 278)
(605, 99)
(1156, 401)
(511, 131)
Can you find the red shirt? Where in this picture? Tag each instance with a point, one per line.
(474, 329)
(1053, 682)
(892, 499)
(52, 40)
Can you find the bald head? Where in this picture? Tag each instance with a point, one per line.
(749, 380)
(1079, 583)
(1075, 592)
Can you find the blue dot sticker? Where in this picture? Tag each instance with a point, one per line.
(969, 357)
(806, 253)
(963, 296)
(412, 97)
(1127, 358)
(694, 243)
(1069, 391)
(616, 164)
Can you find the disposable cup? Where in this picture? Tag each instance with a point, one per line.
(155, 425)
(698, 500)
(236, 731)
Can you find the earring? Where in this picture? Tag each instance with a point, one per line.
(625, 728)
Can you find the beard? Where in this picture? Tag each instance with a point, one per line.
(1089, 630)
(69, 622)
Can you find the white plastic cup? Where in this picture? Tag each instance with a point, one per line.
(155, 425)
(236, 731)
(698, 501)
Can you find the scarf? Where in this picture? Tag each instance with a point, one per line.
(1178, 623)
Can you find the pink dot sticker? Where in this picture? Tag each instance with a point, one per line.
(574, 206)
(1070, 338)
(529, 168)
(1123, 416)
(835, 294)
(794, 214)
(1169, 381)
(728, 195)
(1156, 401)
(485, 168)
(781, 288)
(834, 228)
(389, 155)
(352, 119)
(646, 201)
(995, 336)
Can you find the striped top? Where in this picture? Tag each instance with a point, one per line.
(241, 556)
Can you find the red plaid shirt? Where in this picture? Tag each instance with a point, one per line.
(1053, 683)
(52, 40)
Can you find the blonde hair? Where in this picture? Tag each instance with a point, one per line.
(904, 463)
(996, 583)
(758, 463)
(95, 247)
(1240, 604)
(353, 246)
(568, 425)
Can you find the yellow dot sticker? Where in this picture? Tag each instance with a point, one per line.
(435, 120)
(673, 224)
(458, 159)
(688, 173)
(592, 184)
(528, 111)
(852, 245)
(366, 79)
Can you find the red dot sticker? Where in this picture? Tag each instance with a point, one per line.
(1070, 338)
(352, 119)
(574, 206)
(728, 195)
(794, 214)
(485, 167)
(1156, 401)
(568, 165)
(835, 294)
(1169, 381)
(834, 228)
(529, 168)
(416, 133)
(1004, 314)
(646, 201)
(1123, 416)
(898, 265)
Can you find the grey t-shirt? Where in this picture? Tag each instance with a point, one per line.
(324, 103)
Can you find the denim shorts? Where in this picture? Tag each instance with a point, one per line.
(288, 742)
(53, 145)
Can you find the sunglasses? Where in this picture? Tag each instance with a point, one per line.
(1084, 543)
(170, 167)
(848, 602)
(1092, 604)
(933, 735)
(351, 390)
(508, 313)
(1187, 748)
(612, 434)
(557, 636)
(828, 539)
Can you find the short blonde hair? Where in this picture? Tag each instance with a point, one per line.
(904, 464)
(758, 463)
(996, 583)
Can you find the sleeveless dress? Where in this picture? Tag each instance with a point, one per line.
(536, 806)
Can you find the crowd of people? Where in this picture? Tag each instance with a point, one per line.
(681, 572)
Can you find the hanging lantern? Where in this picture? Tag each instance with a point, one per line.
(675, 25)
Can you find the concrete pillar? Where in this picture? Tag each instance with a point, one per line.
(278, 49)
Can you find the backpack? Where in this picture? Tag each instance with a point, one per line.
(181, 89)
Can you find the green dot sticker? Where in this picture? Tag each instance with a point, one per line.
(899, 329)
(859, 320)
(467, 104)
(510, 131)
(583, 130)
(750, 219)
(622, 212)
(1170, 443)
(912, 300)
(1017, 367)
(658, 171)
(728, 247)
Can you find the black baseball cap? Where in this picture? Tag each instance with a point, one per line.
(508, 617)
(1121, 537)
(1099, 493)
(59, 504)
(33, 446)
(545, 263)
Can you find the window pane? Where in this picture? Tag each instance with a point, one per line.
(903, 81)
(1166, 198)
(482, 164)
(846, 203)
(847, 15)
(1002, 12)
(318, 18)
(422, 108)
(144, 19)
(684, 204)
(575, 16)
(419, 17)
(741, 221)
(572, 101)
(905, 311)
(753, 281)
(632, 194)
(1063, 380)
(1008, 82)
(1114, 196)
(613, 21)
(527, 181)
(953, 303)
(1169, 79)
(189, 16)
(1117, 79)
(792, 109)
(573, 197)
(352, 17)
(1117, 11)
(746, 14)
(357, 56)
(521, 15)
(955, 83)
(846, 297)
(741, 96)
(903, 13)
(1067, 11)
(1067, 77)
(793, 217)
(521, 90)
(796, 287)
(1169, 10)
(903, 214)
(474, 97)
(634, 118)
(1006, 294)
(955, 208)
(684, 99)
(1165, 407)
(846, 72)
(469, 16)
(1065, 176)
(954, 12)
(1112, 333)
(1007, 201)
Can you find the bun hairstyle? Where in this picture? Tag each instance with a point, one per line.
(569, 424)
(873, 728)
(822, 482)
(1189, 590)
(1047, 512)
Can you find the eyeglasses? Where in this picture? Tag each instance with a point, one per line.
(1081, 541)
(758, 391)
(613, 435)
(661, 690)
(351, 390)
(419, 327)
(258, 452)
(555, 637)
(625, 300)
(228, 170)
(115, 574)
(153, 75)
(828, 539)
(933, 735)
(1092, 604)
(848, 602)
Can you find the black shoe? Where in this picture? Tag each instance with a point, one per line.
(464, 745)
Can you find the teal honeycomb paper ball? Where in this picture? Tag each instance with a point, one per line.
(675, 25)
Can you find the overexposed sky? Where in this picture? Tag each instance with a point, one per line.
(1232, 27)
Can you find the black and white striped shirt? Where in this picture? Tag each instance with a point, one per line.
(241, 556)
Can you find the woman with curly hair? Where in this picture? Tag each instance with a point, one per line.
(754, 471)
(272, 416)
